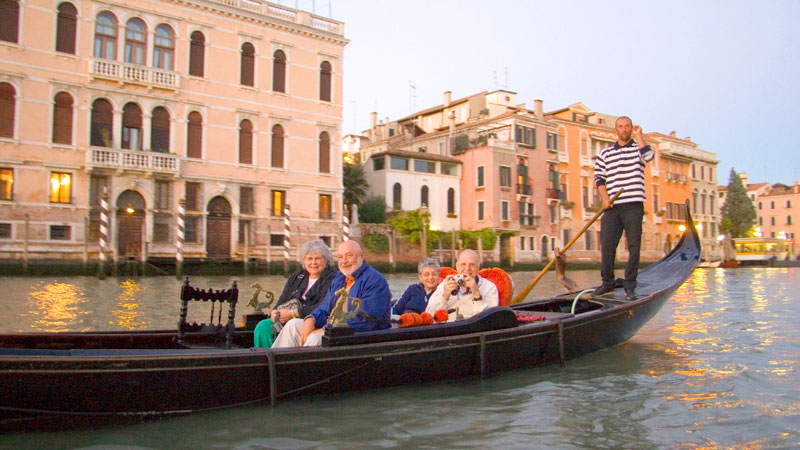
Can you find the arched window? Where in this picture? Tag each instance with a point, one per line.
(159, 130)
(703, 203)
(397, 197)
(132, 127)
(7, 95)
(102, 123)
(694, 202)
(62, 119)
(245, 142)
(194, 135)
(248, 64)
(197, 54)
(279, 71)
(277, 146)
(451, 201)
(9, 20)
(135, 41)
(105, 36)
(324, 153)
(163, 47)
(325, 81)
(66, 28)
(423, 196)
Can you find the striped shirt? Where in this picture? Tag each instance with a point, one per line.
(622, 167)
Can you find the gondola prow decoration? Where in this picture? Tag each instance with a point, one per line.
(340, 314)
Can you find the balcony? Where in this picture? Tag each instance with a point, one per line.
(554, 194)
(563, 157)
(654, 171)
(133, 160)
(135, 74)
(287, 14)
(524, 189)
(587, 161)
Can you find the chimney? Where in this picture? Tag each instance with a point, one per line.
(452, 121)
(673, 133)
(373, 118)
(796, 187)
(447, 98)
(538, 108)
(743, 177)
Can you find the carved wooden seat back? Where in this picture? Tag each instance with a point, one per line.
(218, 298)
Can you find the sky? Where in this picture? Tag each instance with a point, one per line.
(723, 72)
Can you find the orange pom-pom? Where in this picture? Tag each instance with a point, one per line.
(440, 316)
(407, 320)
(427, 318)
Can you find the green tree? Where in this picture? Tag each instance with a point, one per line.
(373, 210)
(738, 213)
(409, 224)
(355, 185)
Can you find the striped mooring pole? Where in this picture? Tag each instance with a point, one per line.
(101, 269)
(345, 225)
(287, 237)
(179, 240)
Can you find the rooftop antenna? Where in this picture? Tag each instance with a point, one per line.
(494, 78)
(505, 83)
(412, 98)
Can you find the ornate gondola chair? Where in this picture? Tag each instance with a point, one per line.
(229, 296)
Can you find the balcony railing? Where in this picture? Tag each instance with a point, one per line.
(587, 161)
(556, 194)
(524, 189)
(133, 73)
(287, 14)
(134, 159)
(563, 157)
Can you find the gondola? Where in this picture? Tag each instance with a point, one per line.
(54, 381)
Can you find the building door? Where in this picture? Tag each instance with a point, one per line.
(544, 248)
(505, 248)
(218, 229)
(130, 224)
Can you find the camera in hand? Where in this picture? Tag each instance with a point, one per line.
(460, 280)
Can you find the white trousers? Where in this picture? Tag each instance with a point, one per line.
(290, 336)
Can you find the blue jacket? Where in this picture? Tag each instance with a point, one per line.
(373, 290)
(414, 299)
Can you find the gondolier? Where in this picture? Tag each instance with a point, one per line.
(621, 166)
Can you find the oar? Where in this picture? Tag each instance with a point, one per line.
(530, 286)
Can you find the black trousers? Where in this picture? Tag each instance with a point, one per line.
(627, 217)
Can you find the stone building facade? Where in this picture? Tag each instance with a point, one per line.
(233, 108)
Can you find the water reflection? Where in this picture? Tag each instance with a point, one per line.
(127, 312)
(55, 306)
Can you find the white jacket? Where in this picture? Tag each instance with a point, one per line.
(463, 302)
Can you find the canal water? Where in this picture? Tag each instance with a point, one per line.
(716, 368)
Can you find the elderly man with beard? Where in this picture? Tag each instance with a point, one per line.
(361, 281)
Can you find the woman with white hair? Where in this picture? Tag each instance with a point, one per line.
(303, 291)
(415, 298)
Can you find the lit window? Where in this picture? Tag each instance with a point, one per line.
(60, 187)
(278, 203)
(6, 183)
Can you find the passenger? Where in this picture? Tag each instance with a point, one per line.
(415, 298)
(303, 291)
(463, 301)
(361, 281)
